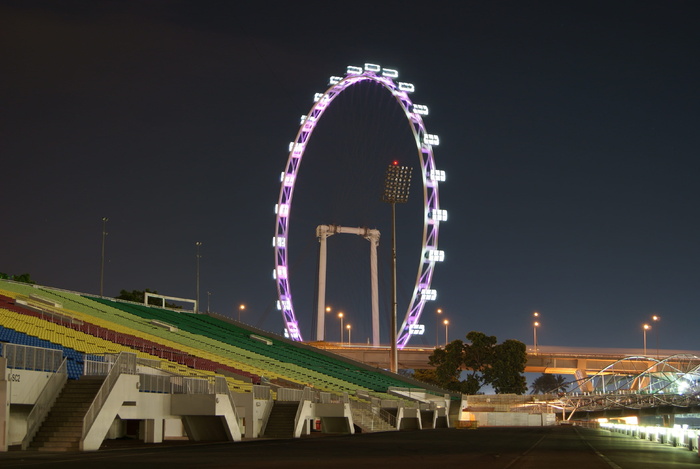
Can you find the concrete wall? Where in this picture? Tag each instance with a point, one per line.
(4, 405)
(512, 419)
(24, 386)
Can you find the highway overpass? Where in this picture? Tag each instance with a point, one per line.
(547, 359)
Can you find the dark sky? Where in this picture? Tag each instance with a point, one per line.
(569, 135)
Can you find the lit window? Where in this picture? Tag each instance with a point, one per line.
(390, 73)
(282, 210)
(408, 87)
(420, 109)
(352, 70)
(438, 215)
(431, 139)
(334, 80)
(279, 242)
(372, 67)
(317, 97)
(288, 180)
(281, 272)
(437, 175)
(435, 255)
(429, 294)
(416, 329)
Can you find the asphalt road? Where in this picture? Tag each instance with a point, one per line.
(562, 447)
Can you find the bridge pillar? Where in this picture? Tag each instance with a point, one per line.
(669, 420)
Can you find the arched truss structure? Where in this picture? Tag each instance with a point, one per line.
(639, 382)
(433, 215)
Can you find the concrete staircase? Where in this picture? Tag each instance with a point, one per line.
(63, 427)
(280, 424)
(369, 421)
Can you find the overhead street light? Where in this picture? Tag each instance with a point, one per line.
(645, 328)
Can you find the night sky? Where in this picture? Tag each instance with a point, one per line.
(569, 135)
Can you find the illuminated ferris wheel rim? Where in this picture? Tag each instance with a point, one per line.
(432, 214)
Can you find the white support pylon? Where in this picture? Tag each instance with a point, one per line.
(322, 233)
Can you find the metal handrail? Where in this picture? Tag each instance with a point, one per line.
(45, 402)
(124, 364)
(377, 415)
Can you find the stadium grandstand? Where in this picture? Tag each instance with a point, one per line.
(78, 369)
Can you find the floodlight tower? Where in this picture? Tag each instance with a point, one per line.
(396, 185)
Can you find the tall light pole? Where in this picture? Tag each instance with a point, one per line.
(438, 312)
(656, 318)
(241, 308)
(208, 300)
(198, 244)
(328, 310)
(340, 316)
(446, 322)
(396, 185)
(645, 328)
(349, 328)
(102, 263)
(535, 325)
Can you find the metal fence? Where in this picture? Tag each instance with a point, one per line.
(25, 357)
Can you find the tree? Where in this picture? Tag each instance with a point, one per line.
(448, 363)
(23, 278)
(507, 366)
(478, 356)
(549, 383)
(426, 375)
(485, 362)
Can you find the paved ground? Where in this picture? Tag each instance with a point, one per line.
(562, 447)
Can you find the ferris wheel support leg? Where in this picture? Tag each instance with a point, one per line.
(374, 240)
(322, 233)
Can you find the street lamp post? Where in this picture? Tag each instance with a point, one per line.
(437, 325)
(341, 315)
(535, 325)
(645, 328)
(446, 322)
(241, 308)
(102, 263)
(208, 300)
(656, 318)
(396, 185)
(328, 310)
(198, 244)
(349, 328)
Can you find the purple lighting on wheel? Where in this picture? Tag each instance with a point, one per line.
(431, 177)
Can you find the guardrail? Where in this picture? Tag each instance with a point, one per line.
(124, 364)
(45, 402)
(26, 357)
(676, 436)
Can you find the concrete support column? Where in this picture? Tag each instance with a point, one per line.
(153, 431)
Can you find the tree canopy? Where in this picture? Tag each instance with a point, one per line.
(483, 360)
(24, 278)
(549, 383)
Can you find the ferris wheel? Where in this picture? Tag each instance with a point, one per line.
(433, 215)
